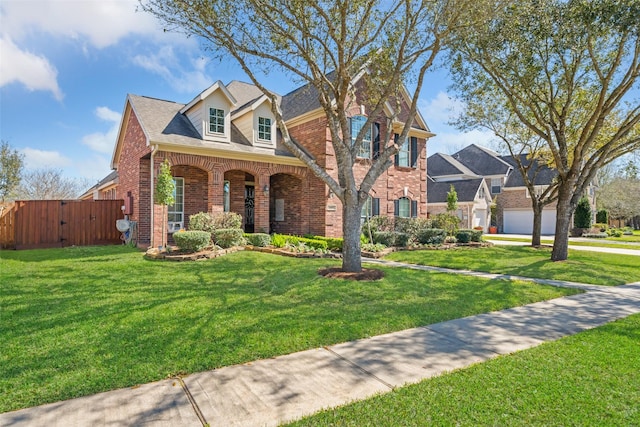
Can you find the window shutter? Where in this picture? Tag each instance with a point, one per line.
(414, 208)
(376, 140)
(414, 152)
(396, 160)
(375, 206)
(396, 207)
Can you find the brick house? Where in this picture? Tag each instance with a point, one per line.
(226, 155)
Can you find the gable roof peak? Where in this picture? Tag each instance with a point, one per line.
(218, 85)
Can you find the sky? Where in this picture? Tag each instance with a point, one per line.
(66, 67)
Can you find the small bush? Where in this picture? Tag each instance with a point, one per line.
(202, 221)
(466, 236)
(313, 243)
(412, 226)
(596, 235)
(192, 240)
(333, 243)
(227, 220)
(602, 216)
(431, 236)
(391, 238)
(373, 247)
(228, 237)
(447, 222)
(258, 239)
(450, 239)
(601, 226)
(278, 240)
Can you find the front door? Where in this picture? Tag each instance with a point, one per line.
(249, 211)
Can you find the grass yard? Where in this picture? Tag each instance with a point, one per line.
(77, 321)
(588, 379)
(584, 267)
(624, 242)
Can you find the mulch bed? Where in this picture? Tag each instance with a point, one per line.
(368, 274)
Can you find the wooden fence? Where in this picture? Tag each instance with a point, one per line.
(35, 224)
(7, 220)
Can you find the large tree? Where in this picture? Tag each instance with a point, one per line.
(567, 71)
(328, 45)
(49, 184)
(11, 164)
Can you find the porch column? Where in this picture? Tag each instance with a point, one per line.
(215, 188)
(261, 207)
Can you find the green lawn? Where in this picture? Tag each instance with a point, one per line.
(588, 379)
(77, 321)
(624, 242)
(584, 267)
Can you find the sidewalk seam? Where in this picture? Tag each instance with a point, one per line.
(194, 405)
(380, 380)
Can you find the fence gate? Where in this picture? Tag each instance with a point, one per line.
(60, 223)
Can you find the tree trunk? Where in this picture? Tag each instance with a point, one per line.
(351, 228)
(537, 224)
(563, 223)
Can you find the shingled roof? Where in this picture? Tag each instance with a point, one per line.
(482, 161)
(465, 188)
(540, 173)
(440, 164)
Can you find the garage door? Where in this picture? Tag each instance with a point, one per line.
(521, 221)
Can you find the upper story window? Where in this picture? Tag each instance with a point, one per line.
(357, 123)
(264, 128)
(216, 120)
(496, 185)
(481, 193)
(408, 155)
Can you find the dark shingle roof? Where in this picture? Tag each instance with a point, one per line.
(466, 189)
(482, 161)
(540, 173)
(300, 101)
(440, 164)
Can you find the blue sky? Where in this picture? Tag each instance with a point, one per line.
(66, 67)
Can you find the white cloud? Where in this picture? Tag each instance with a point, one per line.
(102, 22)
(93, 168)
(37, 159)
(168, 65)
(449, 142)
(103, 142)
(442, 108)
(33, 71)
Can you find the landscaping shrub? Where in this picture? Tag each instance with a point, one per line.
(601, 226)
(466, 236)
(228, 237)
(391, 238)
(333, 243)
(192, 240)
(278, 240)
(582, 216)
(258, 239)
(431, 236)
(313, 243)
(202, 221)
(596, 235)
(412, 226)
(227, 220)
(446, 222)
(602, 216)
(378, 223)
(373, 247)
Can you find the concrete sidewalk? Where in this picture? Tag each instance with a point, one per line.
(273, 391)
(619, 251)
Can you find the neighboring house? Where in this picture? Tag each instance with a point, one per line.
(226, 156)
(474, 200)
(105, 189)
(514, 213)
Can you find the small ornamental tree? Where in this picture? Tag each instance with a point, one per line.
(452, 200)
(165, 194)
(602, 216)
(582, 216)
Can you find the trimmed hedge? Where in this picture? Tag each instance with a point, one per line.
(333, 243)
(431, 236)
(466, 236)
(391, 238)
(228, 237)
(258, 239)
(192, 240)
(281, 240)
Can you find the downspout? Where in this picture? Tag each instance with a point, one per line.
(153, 153)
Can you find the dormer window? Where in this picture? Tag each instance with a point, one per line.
(264, 129)
(216, 120)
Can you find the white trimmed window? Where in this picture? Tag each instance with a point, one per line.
(496, 185)
(404, 207)
(176, 210)
(226, 196)
(404, 155)
(264, 128)
(216, 120)
(357, 123)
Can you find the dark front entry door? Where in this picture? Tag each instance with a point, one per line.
(249, 211)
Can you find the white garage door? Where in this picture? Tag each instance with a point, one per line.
(521, 221)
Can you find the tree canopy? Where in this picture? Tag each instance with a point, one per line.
(11, 164)
(557, 79)
(329, 45)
